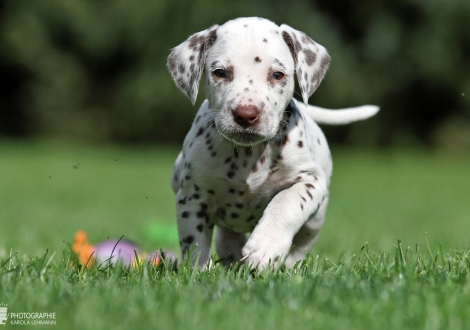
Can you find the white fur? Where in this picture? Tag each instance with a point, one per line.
(270, 178)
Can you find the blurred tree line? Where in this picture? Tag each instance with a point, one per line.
(95, 69)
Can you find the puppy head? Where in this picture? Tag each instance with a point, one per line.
(249, 65)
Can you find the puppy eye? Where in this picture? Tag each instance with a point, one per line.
(278, 75)
(219, 73)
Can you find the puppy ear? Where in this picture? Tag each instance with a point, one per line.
(311, 60)
(186, 61)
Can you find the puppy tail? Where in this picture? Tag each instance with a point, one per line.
(339, 116)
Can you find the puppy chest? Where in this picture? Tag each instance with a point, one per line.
(229, 203)
(236, 185)
(237, 213)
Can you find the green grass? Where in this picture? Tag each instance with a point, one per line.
(376, 197)
(50, 190)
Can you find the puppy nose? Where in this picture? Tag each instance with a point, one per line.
(246, 115)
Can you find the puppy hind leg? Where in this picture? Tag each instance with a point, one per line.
(229, 245)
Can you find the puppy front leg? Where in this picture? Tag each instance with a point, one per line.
(271, 239)
(194, 228)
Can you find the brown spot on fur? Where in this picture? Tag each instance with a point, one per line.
(310, 186)
(194, 41)
(189, 239)
(310, 56)
(284, 140)
(309, 194)
(290, 43)
(200, 131)
(172, 62)
(212, 36)
(306, 39)
(229, 73)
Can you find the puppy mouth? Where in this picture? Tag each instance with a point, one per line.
(243, 137)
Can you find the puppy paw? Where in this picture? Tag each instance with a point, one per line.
(262, 251)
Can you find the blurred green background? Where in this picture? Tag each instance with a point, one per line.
(90, 120)
(96, 69)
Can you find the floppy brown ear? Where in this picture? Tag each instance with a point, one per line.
(311, 60)
(186, 61)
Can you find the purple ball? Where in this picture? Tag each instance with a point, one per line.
(113, 251)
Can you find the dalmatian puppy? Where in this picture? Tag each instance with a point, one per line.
(255, 160)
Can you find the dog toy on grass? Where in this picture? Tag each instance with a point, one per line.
(114, 251)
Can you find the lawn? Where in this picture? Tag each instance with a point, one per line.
(410, 206)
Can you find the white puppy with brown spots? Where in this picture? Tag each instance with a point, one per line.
(254, 159)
